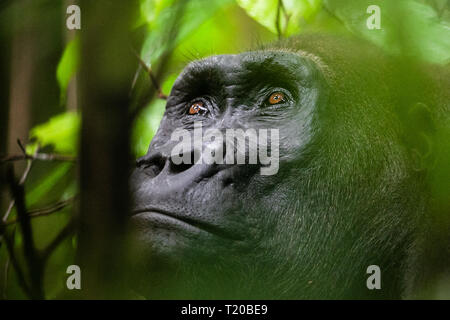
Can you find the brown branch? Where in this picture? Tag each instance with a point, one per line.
(10, 242)
(38, 156)
(19, 142)
(18, 270)
(31, 256)
(21, 181)
(44, 211)
(5, 278)
(153, 79)
(278, 20)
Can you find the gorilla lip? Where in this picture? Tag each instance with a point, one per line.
(200, 225)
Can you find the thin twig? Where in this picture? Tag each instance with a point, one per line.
(21, 146)
(277, 19)
(22, 179)
(287, 17)
(44, 211)
(8, 211)
(149, 71)
(38, 156)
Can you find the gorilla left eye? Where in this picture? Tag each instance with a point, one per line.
(276, 98)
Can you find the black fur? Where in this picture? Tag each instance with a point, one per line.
(355, 185)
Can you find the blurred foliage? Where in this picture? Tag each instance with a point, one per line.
(408, 27)
(60, 132)
(288, 19)
(68, 66)
(159, 14)
(203, 28)
(148, 122)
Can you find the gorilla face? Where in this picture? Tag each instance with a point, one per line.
(308, 231)
(204, 207)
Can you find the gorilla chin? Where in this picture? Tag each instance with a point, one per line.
(347, 194)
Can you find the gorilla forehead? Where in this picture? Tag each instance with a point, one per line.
(248, 69)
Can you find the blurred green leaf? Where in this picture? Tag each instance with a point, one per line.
(293, 13)
(407, 27)
(160, 15)
(148, 121)
(168, 83)
(151, 9)
(47, 183)
(146, 125)
(61, 132)
(68, 66)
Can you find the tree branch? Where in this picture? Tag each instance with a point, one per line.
(5, 278)
(21, 181)
(278, 20)
(30, 252)
(18, 270)
(44, 211)
(38, 156)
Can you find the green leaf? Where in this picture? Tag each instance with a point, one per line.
(61, 132)
(47, 183)
(146, 125)
(407, 27)
(151, 10)
(68, 66)
(148, 121)
(292, 15)
(160, 15)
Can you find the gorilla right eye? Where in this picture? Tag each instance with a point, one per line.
(197, 108)
(276, 98)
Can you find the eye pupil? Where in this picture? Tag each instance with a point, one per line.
(276, 97)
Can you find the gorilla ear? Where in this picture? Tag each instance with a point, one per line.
(420, 133)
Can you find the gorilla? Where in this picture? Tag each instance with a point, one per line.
(360, 136)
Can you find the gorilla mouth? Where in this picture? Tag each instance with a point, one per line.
(165, 217)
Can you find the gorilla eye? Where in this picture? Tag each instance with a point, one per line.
(197, 108)
(276, 97)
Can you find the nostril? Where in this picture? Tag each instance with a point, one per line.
(153, 165)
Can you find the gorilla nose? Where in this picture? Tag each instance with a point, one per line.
(168, 171)
(175, 161)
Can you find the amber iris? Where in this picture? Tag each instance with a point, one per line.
(276, 97)
(196, 107)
